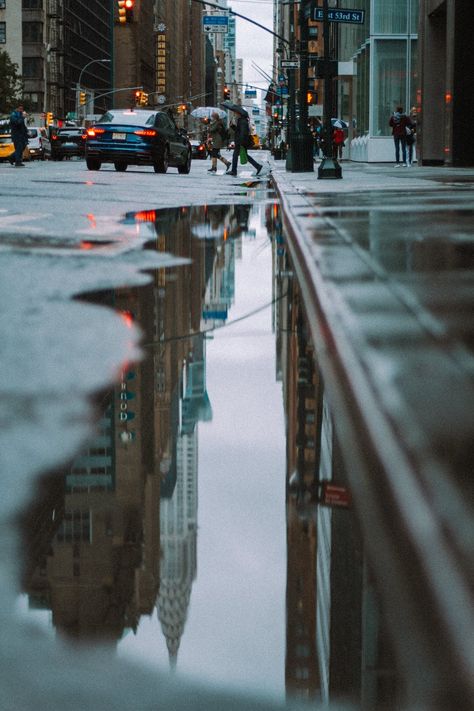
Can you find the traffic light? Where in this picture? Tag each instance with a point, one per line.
(226, 93)
(129, 10)
(121, 11)
(311, 97)
(82, 98)
(49, 118)
(137, 97)
(143, 98)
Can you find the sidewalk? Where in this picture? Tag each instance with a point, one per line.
(384, 260)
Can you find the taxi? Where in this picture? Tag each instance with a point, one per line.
(7, 149)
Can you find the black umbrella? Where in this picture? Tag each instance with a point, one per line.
(236, 108)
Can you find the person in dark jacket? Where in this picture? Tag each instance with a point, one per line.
(242, 140)
(400, 122)
(19, 134)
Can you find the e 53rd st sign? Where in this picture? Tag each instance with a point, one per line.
(355, 17)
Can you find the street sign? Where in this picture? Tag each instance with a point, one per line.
(290, 63)
(215, 23)
(250, 93)
(355, 17)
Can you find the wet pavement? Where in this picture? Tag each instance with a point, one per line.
(213, 512)
(384, 260)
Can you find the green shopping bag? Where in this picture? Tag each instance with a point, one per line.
(243, 155)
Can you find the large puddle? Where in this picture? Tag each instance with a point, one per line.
(191, 533)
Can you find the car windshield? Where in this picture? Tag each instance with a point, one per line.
(32, 133)
(132, 118)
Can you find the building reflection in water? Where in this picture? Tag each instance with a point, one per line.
(336, 645)
(112, 536)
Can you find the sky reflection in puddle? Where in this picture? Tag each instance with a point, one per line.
(165, 538)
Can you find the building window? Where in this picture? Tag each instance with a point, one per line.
(390, 82)
(32, 67)
(2, 4)
(32, 32)
(3, 32)
(32, 4)
(76, 526)
(390, 17)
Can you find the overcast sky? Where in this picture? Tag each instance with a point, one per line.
(253, 43)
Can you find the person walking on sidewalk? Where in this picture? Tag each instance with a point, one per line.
(19, 134)
(400, 124)
(217, 133)
(242, 140)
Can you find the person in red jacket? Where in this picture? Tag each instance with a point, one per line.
(399, 122)
(337, 143)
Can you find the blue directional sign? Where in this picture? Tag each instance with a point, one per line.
(355, 17)
(215, 23)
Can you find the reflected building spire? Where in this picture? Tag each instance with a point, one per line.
(178, 522)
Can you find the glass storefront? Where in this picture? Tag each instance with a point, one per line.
(384, 50)
(390, 82)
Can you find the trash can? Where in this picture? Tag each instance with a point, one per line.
(300, 155)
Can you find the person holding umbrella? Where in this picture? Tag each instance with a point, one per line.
(217, 138)
(241, 138)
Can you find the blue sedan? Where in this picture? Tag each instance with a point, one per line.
(137, 137)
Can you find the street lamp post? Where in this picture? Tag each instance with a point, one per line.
(300, 156)
(78, 85)
(329, 167)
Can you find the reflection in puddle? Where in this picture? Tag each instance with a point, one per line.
(169, 537)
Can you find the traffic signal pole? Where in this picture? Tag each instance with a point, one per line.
(329, 168)
(300, 154)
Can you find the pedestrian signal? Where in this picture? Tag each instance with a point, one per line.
(129, 10)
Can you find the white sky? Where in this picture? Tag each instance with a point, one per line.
(253, 43)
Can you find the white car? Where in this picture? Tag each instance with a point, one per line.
(35, 148)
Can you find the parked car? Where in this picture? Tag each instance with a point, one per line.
(65, 142)
(35, 148)
(198, 150)
(7, 149)
(137, 137)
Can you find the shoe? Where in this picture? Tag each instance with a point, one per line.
(212, 170)
(404, 165)
(19, 165)
(230, 172)
(397, 165)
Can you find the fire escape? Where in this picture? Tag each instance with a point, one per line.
(55, 56)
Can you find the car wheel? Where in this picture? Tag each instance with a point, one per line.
(161, 165)
(120, 166)
(93, 164)
(187, 166)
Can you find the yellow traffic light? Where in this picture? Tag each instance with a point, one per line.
(82, 98)
(143, 98)
(121, 11)
(49, 118)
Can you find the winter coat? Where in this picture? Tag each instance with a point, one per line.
(399, 123)
(242, 132)
(216, 130)
(18, 127)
